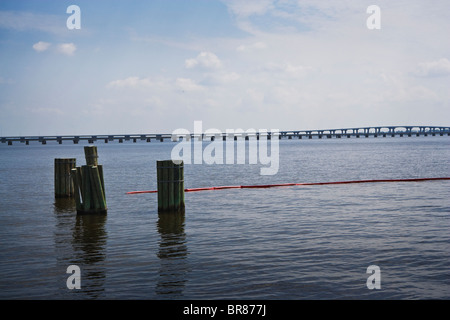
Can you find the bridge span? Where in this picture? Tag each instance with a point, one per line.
(384, 131)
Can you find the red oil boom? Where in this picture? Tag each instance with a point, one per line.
(298, 184)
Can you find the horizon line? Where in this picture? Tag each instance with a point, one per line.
(296, 130)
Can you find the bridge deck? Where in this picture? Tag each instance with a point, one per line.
(387, 131)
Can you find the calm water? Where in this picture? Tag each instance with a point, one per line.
(312, 242)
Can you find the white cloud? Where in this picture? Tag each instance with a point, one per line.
(252, 46)
(288, 69)
(254, 16)
(41, 46)
(220, 78)
(206, 60)
(249, 7)
(187, 84)
(229, 77)
(130, 82)
(67, 48)
(439, 67)
(46, 110)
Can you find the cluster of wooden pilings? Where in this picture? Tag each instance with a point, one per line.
(85, 183)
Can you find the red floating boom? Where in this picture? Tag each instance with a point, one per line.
(299, 184)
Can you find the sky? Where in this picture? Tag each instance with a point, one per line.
(159, 65)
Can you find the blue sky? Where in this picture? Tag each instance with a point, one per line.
(155, 66)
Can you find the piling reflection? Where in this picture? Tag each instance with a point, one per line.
(80, 240)
(64, 205)
(172, 254)
(64, 210)
(89, 248)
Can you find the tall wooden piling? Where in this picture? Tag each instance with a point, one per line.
(91, 155)
(89, 184)
(64, 187)
(170, 179)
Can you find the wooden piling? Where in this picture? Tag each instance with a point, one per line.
(89, 190)
(89, 184)
(86, 189)
(63, 179)
(170, 180)
(77, 193)
(90, 153)
(97, 189)
(100, 172)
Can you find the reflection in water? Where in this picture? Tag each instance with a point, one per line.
(89, 244)
(65, 211)
(64, 205)
(172, 254)
(80, 240)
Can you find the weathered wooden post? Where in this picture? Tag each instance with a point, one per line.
(90, 153)
(76, 185)
(170, 179)
(89, 185)
(63, 180)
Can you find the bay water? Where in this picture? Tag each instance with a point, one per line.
(290, 243)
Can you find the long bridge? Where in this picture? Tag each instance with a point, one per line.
(386, 131)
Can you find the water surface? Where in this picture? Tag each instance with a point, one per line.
(302, 242)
